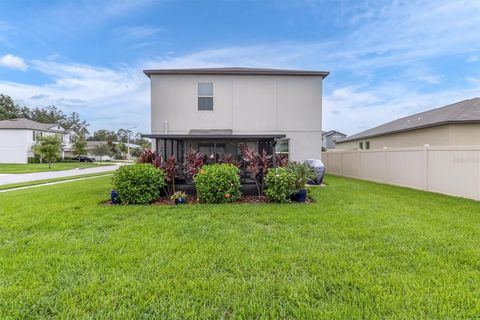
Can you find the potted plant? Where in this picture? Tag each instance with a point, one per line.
(179, 197)
(303, 173)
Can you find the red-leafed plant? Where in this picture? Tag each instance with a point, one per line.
(281, 161)
(228, 159)
(193, 163)
(170, 168)
(258, 165)
(147, 156)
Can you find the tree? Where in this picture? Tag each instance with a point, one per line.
(122, 147)
(79, 145)
(144, 143)
(123, 135)
(74, 122)
(8, 108)
(113, 148)
(48, 149)
(50, 114)
(103, 149)
(103, 135)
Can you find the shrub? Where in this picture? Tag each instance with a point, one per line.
(280, 184)
(303, 173)
(138, 183)
(218, 183)
(33, 159)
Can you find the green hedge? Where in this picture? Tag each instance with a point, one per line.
(218, 183)
(138, 183)
(33, 160)
(281, 184)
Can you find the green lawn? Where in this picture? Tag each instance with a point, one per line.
(362, 251)
(40, 167)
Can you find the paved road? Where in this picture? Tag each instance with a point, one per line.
(27, 177)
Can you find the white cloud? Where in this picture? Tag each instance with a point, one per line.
(138, 32)
(354, 109)
(107, 97)
(13, 62)
(472, 59)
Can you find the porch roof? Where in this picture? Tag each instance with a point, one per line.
(214, 136)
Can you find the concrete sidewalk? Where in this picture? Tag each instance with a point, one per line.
(27, 177)
(56, 182)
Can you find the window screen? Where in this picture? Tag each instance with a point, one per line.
(205, 96)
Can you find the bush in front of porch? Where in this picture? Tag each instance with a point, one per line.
(218, 183)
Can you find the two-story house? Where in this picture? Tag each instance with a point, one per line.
(17, 136)
(219, 111)
(331, 137)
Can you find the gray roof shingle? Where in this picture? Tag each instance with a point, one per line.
(467, 111)
(24, 123)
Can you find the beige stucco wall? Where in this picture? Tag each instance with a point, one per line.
(444, 135)
(290, 105)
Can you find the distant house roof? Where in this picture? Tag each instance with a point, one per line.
(329, 133)
(24, 123)
(238, 71)
(467, 111)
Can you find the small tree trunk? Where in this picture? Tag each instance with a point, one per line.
(49, 164)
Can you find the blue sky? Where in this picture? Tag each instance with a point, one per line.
(387, 58)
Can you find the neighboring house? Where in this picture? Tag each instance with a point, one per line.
(17, 136)
(219, 111)
(329, 138)
(454, 124)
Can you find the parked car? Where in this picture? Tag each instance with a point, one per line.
(318, 167)
(84, 159)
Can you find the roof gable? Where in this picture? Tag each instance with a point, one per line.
(24, 123)
(467, 111)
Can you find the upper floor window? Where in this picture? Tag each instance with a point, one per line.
(367, 145)
(205, 96)
(360, 145)
(36, 135)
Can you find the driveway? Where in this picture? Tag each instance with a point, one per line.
(27, 177)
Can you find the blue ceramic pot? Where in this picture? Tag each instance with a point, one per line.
(180, 201)
(300, 195)
(114, 197)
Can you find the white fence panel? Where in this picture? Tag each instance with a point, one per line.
(453, 170)
(405, 168)
(372, 165)
(350, 164)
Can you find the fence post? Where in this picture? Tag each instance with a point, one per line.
(478, 163)
(384, 153)
(425, 158)
(341, 163)
(359, 162)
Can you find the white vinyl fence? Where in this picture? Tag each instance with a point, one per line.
(453, 170)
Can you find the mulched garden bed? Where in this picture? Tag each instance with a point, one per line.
(243, 199)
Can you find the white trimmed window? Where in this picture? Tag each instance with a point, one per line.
(205, 96)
